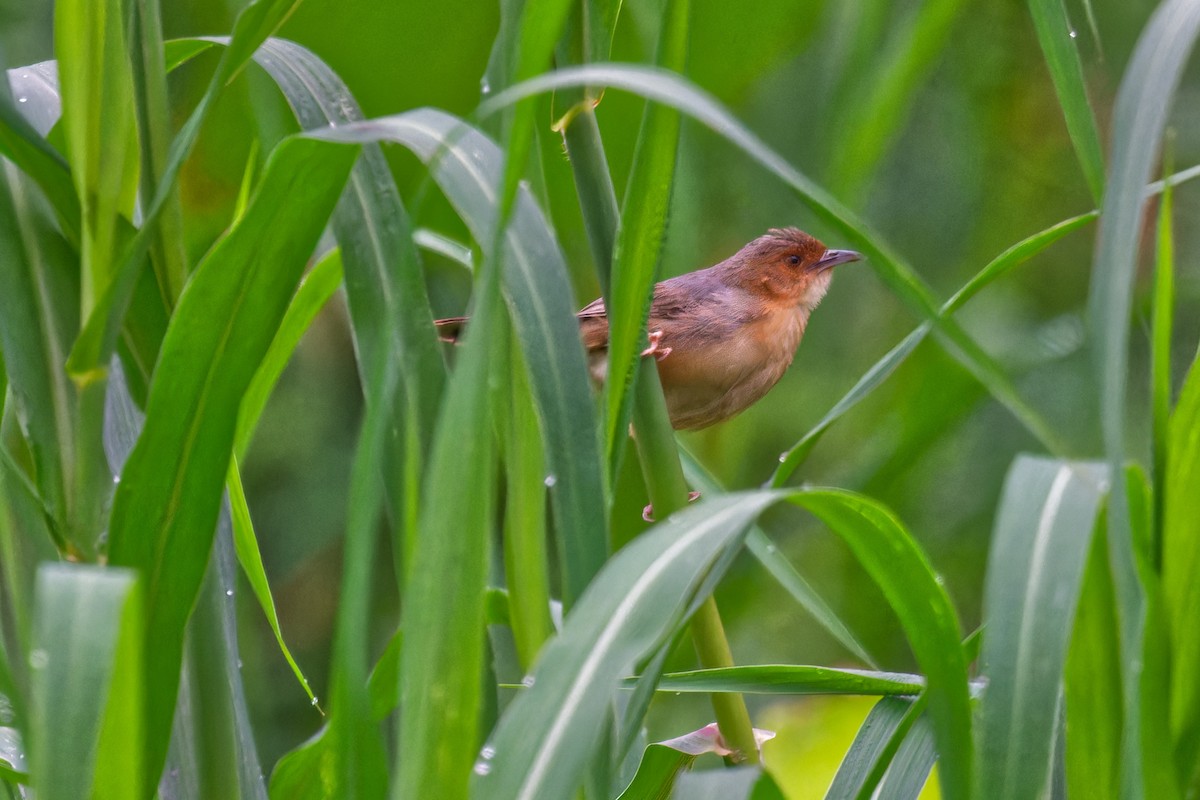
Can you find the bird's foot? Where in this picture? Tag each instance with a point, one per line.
(648, 511)
(654, 349)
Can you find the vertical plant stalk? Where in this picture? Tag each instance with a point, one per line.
(668, 493)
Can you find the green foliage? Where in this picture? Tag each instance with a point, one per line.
(158, 313)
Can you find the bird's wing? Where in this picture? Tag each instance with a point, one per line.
(674, 299)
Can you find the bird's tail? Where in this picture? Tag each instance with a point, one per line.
(450, 329)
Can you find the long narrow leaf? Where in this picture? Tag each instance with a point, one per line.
(1181, 559)
(98, 123)
(38, 315)
(22, 132)
(639, 239)
(1092, 684)
(1039, 548)
(792, 679)
(149, 79)
(442, 658)
(166, 506)
(873, 748)
(87, 723)
(1141, 111)
(1058, 41)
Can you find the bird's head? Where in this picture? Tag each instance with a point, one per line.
(787, 267)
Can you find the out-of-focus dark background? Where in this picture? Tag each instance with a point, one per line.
(979, 159)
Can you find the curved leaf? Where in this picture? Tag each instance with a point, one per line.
(545, 737)
(1057, 39)
(165, 508)
(1035, 570)
(792, 679)
(1143, 102)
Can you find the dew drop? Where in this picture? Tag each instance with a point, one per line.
(484, 86)
(229, 592)
(314, 701)
(38, 659)
(550, 481)
(1073, 33)
(771, 548)
(116, 478)
(487, 753)
(527, 681)
(22, 99)
(782, 457)
(482, 768)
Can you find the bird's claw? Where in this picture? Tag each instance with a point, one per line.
(648, 511)
(659, 353)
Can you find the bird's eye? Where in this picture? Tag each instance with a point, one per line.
(793, 260)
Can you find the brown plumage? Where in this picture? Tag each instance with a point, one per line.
(723, 335)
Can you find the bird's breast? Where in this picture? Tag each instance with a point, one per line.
(707, 380)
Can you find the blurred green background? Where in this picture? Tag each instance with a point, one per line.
(971, 158)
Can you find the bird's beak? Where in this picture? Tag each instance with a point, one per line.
(834, 257)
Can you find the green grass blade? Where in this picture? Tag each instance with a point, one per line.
(299, 774)
(1139, 117)
(792, 679)
(88, 684)
(526, 562)
(356, 750)
(1058, 41)
(1092, 684)
(909, 771)
(98, 123)
(669, 89)
(152, 114)
(442, 658)
(166, 506)
(1157, 772)
(1161, 327)
(467, 167)
(246, 544)
(212, 749)
(639, 239)
(1039, 548)
(38, 313)
(1180, 560)
(22, 142)
(212, 716)
(873, 748)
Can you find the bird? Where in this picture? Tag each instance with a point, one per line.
(723, 336)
